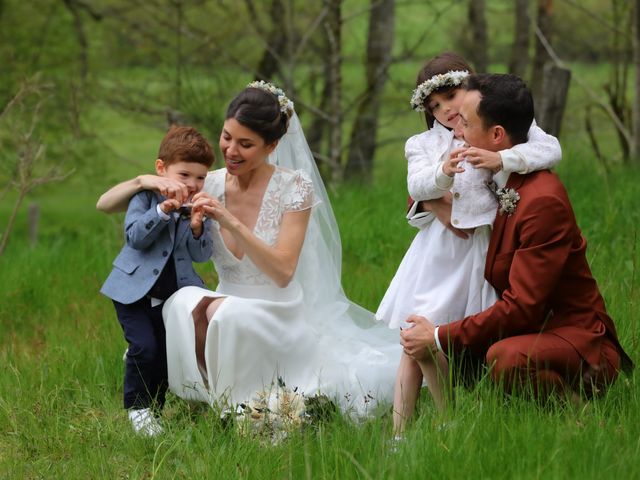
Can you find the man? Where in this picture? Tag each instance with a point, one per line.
(549, 329)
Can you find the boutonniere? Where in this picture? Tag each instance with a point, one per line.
(507, 198)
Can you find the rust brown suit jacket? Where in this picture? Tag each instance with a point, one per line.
(536, 261)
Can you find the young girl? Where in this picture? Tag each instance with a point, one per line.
(441, 276)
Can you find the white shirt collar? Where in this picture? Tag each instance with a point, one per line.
(501, 178)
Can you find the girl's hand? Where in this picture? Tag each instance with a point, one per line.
(450, 166)
(481, 158)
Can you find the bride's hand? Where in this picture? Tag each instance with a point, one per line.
(212, 208)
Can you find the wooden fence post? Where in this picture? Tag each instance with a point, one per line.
(34, 218)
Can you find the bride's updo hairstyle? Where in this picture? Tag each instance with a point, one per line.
(260, 111)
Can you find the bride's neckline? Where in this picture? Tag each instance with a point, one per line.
(258, 214)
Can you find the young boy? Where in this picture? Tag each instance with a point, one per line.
(155, 261)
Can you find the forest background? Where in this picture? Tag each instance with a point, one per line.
(87, 90)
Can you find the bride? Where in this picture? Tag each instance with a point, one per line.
(279, 311)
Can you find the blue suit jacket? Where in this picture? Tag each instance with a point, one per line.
(150, 240)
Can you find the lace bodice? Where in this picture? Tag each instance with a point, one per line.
(287, 191)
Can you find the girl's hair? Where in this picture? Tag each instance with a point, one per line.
(443, 63)
(259, 110)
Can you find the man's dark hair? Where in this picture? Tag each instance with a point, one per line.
(506, 101)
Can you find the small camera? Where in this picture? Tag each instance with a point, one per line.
(185, 211)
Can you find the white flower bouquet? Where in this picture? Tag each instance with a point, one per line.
(273, 413)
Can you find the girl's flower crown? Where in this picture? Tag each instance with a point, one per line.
(452, 78)
(286, 105)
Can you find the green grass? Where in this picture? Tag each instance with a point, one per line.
(61, 347)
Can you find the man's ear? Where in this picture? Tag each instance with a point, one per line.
(160, 168)
(498, 134)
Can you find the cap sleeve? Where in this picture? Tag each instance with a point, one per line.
(298, 193)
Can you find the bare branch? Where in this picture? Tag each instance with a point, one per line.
(595, 17)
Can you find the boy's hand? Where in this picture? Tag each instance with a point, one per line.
(169, 205)
(481, 158)
(197, 219)
(450, 166)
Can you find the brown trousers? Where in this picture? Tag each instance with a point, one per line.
(539, 363)
(548, 363)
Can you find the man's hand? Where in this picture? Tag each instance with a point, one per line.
(441, 208)
(418, 341)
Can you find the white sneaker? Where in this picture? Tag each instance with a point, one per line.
(145, 423)
(124, 355)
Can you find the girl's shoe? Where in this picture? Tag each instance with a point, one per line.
(395, 443)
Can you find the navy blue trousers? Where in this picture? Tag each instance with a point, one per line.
(145, 375)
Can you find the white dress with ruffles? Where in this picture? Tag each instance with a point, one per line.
(262, 332)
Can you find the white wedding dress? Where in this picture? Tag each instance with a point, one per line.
(262, 332)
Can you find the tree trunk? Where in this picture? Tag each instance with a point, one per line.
(83, 56)
(635, 144)
(317, 129)
(276, 41)
(179, 60)
(333, 28)
(364, 132)
(541, 56)
(9, 227)
(555, 90)
(520, 50)
(479, 40)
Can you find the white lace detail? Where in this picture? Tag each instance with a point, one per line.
(287, 191)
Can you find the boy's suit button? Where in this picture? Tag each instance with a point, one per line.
(156, 271)
(149, 225)
(165, 253)
(456, 195)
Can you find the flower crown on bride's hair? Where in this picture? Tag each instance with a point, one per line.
(452, 78)
(286, 105)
